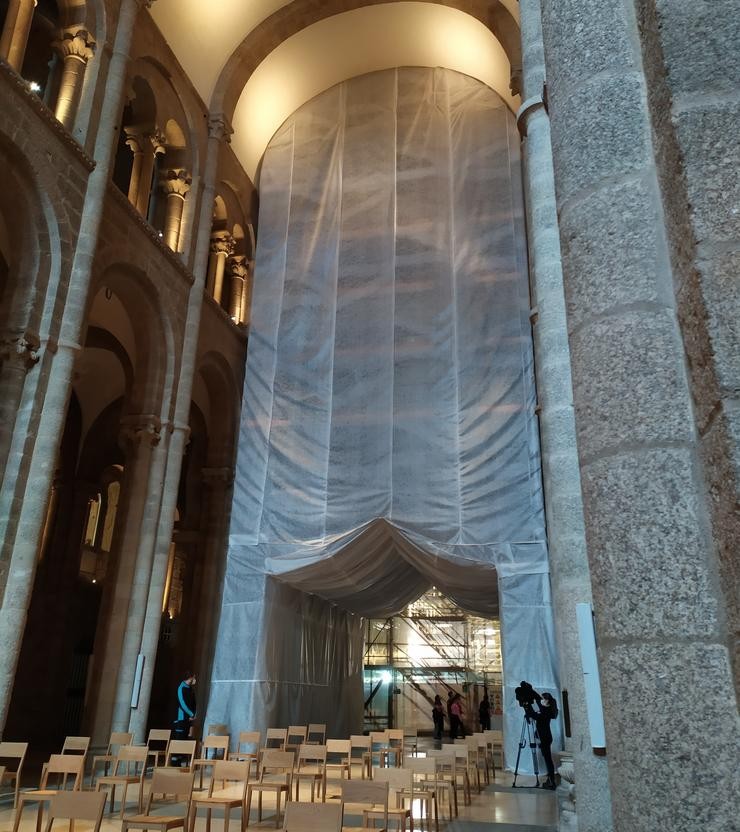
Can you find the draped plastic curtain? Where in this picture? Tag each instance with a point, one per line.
(388, 438)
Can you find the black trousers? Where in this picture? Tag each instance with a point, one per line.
(547, 757)
(456, 727)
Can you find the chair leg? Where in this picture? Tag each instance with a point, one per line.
(208, 818)
(39, 815)
(278, 793)
(123, 799)
(259, 805)
(227, 818)
(17, 821)
(247, 808)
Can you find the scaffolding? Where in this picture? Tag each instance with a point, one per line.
(431, 648)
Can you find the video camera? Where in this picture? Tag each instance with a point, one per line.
(526, 696)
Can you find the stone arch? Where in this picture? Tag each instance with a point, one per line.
(222, 390)
(293, 17)
(145, 334)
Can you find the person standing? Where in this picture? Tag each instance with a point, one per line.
(484, 713)
(186, 706)
(547, 711)
(456, 714)
(438, 716)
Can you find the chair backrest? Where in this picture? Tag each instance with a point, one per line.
(379, 737)
(313, 817)
(128, 754)
(76, 745)
(459, 750)
(64, 764)
(296, 735)
(276, 738)
(368, 793)
(180, 748)
(216, 741)
(158, 739)
(316, 732)
(445, 761)
(218, 729)
(118, 738)
(397, 779)
(360, 741)
(175, 782)
(229, 771)
(343, 747)
(250, 738)
(394, 733)
(13, 753)
(426, 767)
(77, 806)
(312, 754)
(274, 760)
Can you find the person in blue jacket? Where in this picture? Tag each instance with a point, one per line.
(186, 706)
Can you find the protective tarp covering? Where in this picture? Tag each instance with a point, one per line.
(388, 437)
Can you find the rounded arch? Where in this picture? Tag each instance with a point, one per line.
(217, 377)
(365, 37)
(292, 17)
(30, 244)
(137, 320)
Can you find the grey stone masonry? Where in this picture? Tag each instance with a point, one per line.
(655, 503)
(569, 569)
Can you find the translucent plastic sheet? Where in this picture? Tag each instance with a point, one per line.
(388, 437)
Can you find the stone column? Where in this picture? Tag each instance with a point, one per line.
(238, 272)
(247, 295)
(669, 702)
(17, 357)
(76, 48)
(16, 30)
(175, 183)
(222, 247)
(570, 576)
(136, 145)
(21, 529)
(138, 508)
(153, 145)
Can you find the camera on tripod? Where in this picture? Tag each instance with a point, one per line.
(526, 696)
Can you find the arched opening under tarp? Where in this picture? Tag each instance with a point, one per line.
(388, 439)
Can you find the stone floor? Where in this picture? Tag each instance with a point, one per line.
(498, 808)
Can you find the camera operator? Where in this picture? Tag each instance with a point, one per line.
(547, 711)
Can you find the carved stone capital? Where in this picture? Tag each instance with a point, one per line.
(238, 267)
(19, 350)
(176, 181)
(515, 80)
(223, 243)
(76, 43)
(219, 127)
(134, 139)
(158, 141)
(139, 430)
(217, 478)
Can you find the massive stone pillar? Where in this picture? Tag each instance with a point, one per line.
(76, 49)
(661, 615)
(20, 539)
(570, 576)
(17, 357)
(16, 30)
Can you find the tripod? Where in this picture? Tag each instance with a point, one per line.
(529, 737)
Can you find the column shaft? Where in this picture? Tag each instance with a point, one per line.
(16, 30)
(660, 615)
(73, 74)
(175, 205)
(218, 279)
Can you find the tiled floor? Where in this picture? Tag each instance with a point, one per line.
(498, 808)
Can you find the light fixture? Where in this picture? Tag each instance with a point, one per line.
(34, 87)
(94, 580)
(386, 677)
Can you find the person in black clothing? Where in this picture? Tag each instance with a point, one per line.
(484, 713)
(438, 716)
(186, 709)
(547, 711)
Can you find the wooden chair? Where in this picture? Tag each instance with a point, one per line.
(62, 766)
(276, 738)
(217, 744)
(180, 749)
(77, 805)
(156, 744)
(363, 744)
(396, 748)
(276, 775)
(235, 773)
(74, 745)
(401, 788)
(218, 729)
(426, 787)
(252, 740)
(478, 748)
(379, 747)
(495, 742)
(338, 758)
(366, 793)
(462, 770)
(313, 817)
(311, 766)
(117, 739)
(131, 757)
(12, 757)
(166, 782)
(316, 734)
(446, 765)
(411, 740)
(295, 737)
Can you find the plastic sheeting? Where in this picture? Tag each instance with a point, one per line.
(388, 438)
